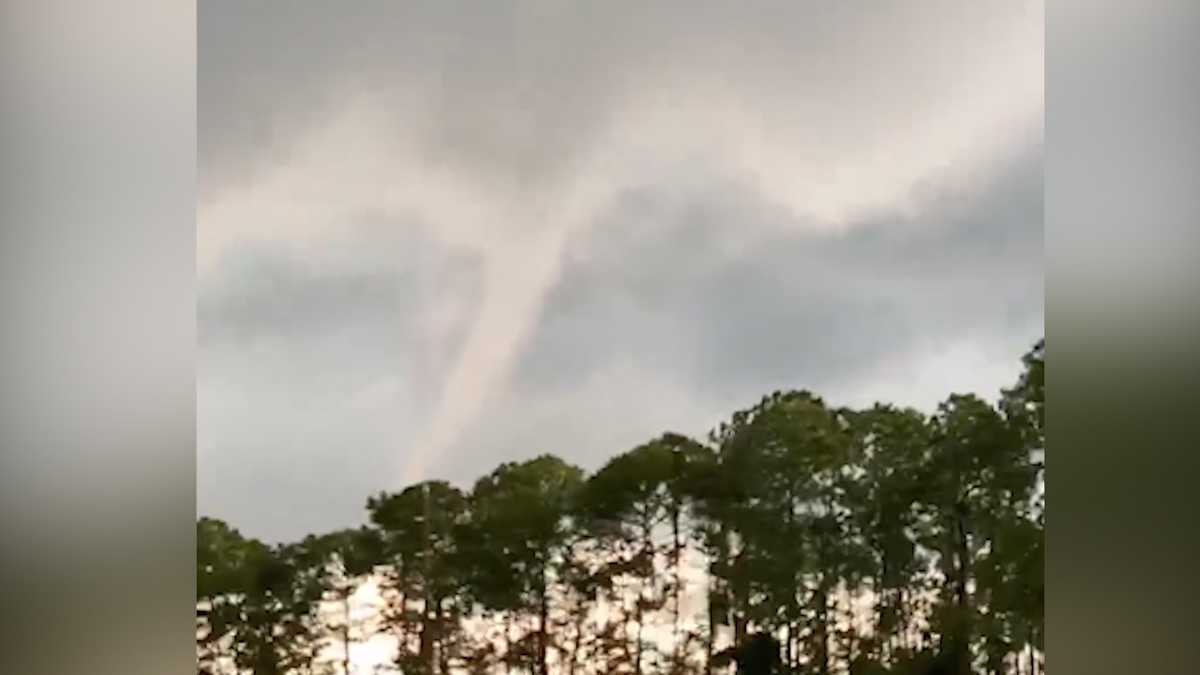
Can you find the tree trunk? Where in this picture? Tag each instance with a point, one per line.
(677, 553)
(508, 643)
(426, 649)
(402, 624)
(739, 630)
(709, 648)
(346, 632)
(440, 645)
(963, 554)
(822, 629)
(236, 648)
(1032, 653)
(963, 627)
(637, 647)
(427, 611)
(647, 552)
(788, 650)
(882, 605)
(543, 619)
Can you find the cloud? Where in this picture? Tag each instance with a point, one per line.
(704, 187)
(728, 288)
(677, 308)
(312, 368)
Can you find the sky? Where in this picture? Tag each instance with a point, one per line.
(436, 236)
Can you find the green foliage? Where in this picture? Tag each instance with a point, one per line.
(421, 545)
(869, 541)
(518, 534)
(256, 601)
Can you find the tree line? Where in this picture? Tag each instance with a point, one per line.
(796, 538)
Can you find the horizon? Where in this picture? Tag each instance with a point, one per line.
(466, 484)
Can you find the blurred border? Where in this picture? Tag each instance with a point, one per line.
(1122, 178)
(97, 396)
(97, 419)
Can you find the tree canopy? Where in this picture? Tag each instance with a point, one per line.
(796, 538)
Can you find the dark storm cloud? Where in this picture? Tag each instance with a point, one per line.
(724, 298)
(380, 279)
(517, 91)
(496, 97)
(686, 152)
(652, 283)
(269, 294)
(311, 366)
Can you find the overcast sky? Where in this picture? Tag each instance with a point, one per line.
(437, 236)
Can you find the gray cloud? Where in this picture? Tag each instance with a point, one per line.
(661, 291)
(380, 278)
(439, 235)
(653, 281)
(518, 91)
(311, 368)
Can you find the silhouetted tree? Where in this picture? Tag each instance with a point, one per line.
(879, 541)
